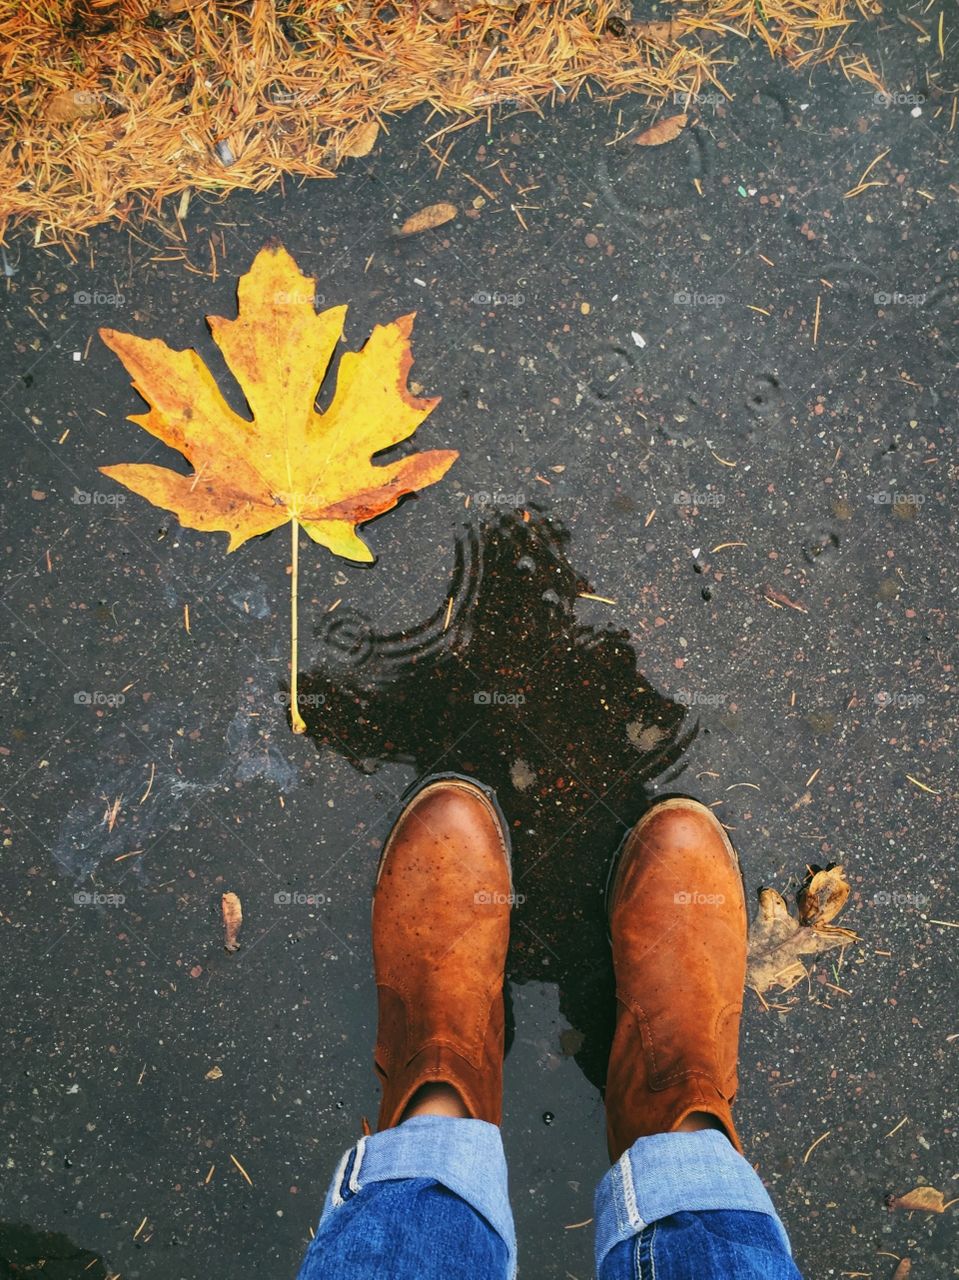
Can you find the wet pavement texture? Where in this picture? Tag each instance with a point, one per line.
(697, 540)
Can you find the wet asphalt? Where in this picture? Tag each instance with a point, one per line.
(700, 538)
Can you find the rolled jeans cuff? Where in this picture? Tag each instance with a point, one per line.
(670, 1173)
(465, 1156)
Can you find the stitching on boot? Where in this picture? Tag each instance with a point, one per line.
(478, 1033)
(647, 1039)
(730, 1079)
(662, 1081)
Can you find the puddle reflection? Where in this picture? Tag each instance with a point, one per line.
(508, 686)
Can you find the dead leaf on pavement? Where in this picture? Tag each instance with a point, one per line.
(922, 1200)
(286, 463)
(434, 215)
(778, 939)
(232, 919)
(903, 1270)
(823, 896)
(362, 139)
(662, 131)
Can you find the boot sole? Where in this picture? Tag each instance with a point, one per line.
(421, 785)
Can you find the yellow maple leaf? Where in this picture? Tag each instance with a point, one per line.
(288, 463)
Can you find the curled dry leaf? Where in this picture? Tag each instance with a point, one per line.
(434, 215)
(903, 1270)
(922, 1200)
(215, 1073)
(662, 131)
(823, 895)
(778, 939)
(362, 139)
(232, 919)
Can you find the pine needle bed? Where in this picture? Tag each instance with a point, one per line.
(110, 107)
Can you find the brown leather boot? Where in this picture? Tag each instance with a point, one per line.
(678, 924)
(440, 929)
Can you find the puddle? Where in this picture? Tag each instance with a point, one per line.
(26, 1251)
(552, 712)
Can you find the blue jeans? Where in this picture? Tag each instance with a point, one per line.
(428, 1201)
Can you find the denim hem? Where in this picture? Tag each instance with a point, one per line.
(670, 1173)
(465, 1156)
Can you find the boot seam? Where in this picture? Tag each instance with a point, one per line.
(401, 1085)
(481, 1033)
(662, 1081)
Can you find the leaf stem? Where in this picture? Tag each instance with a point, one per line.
(296, 720)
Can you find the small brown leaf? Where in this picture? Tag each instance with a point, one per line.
(232, 919)
(434, 215)
(903, 1270)
(662, 131)
(215, 1073)
(362, 139)
(72, 104)
(921, 1199)
(823, 895)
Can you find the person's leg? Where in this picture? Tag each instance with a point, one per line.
(425, 1198)
(680, 1202)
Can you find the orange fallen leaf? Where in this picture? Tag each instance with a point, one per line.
(662, 131)
(287, 463)
(434, 215)
(362, 139)
(232, 919)
(922, 1200)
